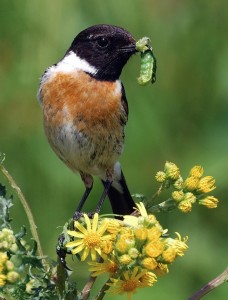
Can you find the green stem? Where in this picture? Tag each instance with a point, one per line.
(164, 206)
(103, 290)
(61, 277)
(27, 209)
(223, 277)
(157, 194)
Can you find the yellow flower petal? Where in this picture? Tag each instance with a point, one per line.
(95, 222)
(77, 249)
(88, 223)
(74, 243)
(93, 254)
(85, 254)
(75, 233)
(141, 208)
(80, 227)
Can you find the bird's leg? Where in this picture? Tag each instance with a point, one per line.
(61, 251)
(107, 184)
(88, 181)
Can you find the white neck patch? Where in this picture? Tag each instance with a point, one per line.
(72, 62)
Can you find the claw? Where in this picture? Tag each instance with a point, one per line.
(77, 215)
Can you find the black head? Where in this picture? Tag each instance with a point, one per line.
(105, 47)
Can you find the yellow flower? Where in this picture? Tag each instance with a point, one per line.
(209, 202)
(169, 255)
(178, 195)
(2, 280)
(124, 243)
(129, 282)
(148, 279)
(141, 233)
(191, 183)
(172, 171)
(161, 270)
(160, 176)
(190, 197)
(7, 273)
(177, 244)
(178, 184)
(125, 259)
(134, 221)
(3, 257)
(196, 171)
(7, 239)
(141, 208)
(206, 184)
(154, 249)
(143, 220)
(185, 206)
(108, 266)
(149, 263)
(133, 252)
(89, 239)
(113, 226)
(106, 246)
(154, 233)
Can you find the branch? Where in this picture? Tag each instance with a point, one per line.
(87, 288)
(223, 277)
(103, 290)
(27, 209)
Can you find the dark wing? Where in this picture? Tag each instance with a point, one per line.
(124, 104)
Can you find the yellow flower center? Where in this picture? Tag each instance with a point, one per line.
(92, 240)
(129, 285)
(112, 267)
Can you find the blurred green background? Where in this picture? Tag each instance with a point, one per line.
(183, 118)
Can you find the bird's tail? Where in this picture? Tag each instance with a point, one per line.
(120, 197)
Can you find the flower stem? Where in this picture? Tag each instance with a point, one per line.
(164, 206)
(26, 207)
(102, 293)
(61, 277)
(87, 288)
(223, 277)
(157, 193)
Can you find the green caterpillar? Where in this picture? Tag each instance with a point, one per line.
(147, 68)
(148, 62)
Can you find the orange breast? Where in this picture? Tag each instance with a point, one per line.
(83, 120)
(79, 98)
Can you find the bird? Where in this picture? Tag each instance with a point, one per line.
(85, 111)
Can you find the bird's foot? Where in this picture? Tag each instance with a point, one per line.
(62, 252)
(77, 215)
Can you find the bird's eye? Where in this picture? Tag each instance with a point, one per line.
(103, 42)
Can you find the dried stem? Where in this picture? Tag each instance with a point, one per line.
(87, 288)
(27, 209)
(223, 277)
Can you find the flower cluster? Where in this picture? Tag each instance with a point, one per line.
(193, 189)
(7, 270)
(7, 240)
(133, 252)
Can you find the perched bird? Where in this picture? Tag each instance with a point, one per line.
(85, 110)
